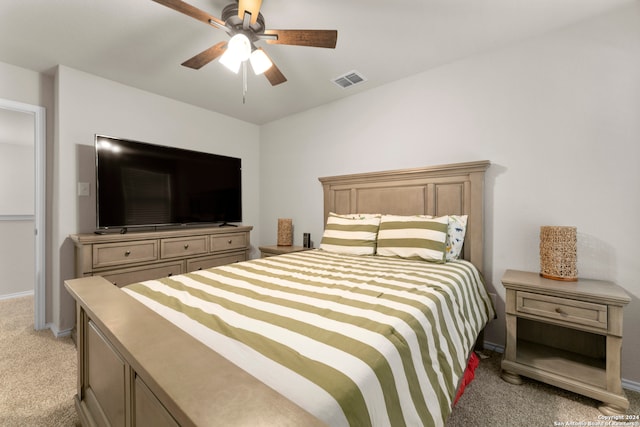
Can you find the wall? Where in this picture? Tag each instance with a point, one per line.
(558, 118)
(29, 87)
(87, 105)
(17, 187)
(22, 85)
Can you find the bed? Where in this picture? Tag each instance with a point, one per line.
(321, 337)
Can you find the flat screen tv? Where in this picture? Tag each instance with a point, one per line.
(146, 185)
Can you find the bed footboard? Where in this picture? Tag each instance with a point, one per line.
(136, 368)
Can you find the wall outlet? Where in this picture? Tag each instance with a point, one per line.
(83, 189)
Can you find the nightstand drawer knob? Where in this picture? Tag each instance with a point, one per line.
(127, 253)
(561, 312)
(186, 246)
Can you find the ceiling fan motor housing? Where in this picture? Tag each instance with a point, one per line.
(231, 20)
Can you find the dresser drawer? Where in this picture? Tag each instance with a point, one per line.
(122, 253)
(183, 246)
(562, 309)
(133, 275)
(228, 241)
(214, 261)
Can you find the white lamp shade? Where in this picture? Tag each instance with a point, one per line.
(230, 62)
(260, 62)
(238, 50)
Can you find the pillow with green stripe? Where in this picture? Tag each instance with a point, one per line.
(355, 236)
(356, 215)
(414, 237)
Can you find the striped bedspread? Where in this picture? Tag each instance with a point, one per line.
(355, 340)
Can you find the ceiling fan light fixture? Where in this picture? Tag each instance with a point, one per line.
(260, 62)
(230, 62)
(244, 23)
(238, 51)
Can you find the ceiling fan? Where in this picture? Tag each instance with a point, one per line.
(244, 23)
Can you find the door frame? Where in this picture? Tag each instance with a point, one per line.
(39, 139)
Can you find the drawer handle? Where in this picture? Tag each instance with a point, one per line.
(170, 274)
(186, 246)
(229, 241)
(561, 312)
(127, 253)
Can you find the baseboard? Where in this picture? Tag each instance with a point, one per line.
(17, 295)
(626, 384)
(631, 385)
(494, 347)
(57, 333)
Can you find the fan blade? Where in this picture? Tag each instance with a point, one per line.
(274, 75)
(203, 58)
(314, 38)
(251, 6)
(191, 11)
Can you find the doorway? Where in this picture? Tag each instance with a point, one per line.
(22, 210)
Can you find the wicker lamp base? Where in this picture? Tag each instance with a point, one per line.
(285, 232)
(558, 253)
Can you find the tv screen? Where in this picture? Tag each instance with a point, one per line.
(140, 184)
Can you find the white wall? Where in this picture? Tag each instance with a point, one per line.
(17, 166)
(22, 85)
(557, 116)
(17, 244)
(29, 87)
(17, 252)
(87, 105)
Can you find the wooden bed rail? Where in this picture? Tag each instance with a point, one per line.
(136, 368)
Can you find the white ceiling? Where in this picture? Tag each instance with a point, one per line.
(142, 43)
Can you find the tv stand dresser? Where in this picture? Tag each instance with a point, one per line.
(136, 256)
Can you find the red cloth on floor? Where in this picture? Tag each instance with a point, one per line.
(469, 374)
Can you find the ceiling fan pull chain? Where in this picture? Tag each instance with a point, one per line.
(244, 81)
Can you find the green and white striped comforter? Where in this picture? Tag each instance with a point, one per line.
(355, 340)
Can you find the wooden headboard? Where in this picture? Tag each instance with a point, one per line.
(453, 189)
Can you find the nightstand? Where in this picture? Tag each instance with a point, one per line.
(567, 334)
(266, 251)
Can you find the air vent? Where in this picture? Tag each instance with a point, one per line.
(352, 78)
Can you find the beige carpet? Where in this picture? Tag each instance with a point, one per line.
(37, 371)
(38, 382)
(489, 401)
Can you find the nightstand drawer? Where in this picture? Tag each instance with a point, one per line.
(562, 309)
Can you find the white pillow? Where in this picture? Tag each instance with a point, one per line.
(355, 236)
(415, 237)
(455, 236)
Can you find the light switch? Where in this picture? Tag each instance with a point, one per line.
(83, 189)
